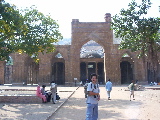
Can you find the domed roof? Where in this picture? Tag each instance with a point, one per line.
(90, 55)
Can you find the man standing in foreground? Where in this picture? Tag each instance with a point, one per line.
(109, 88)
(92, 98)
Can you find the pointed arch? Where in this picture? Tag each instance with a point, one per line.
(91, 61)
(58, 55)
(58, 68)
(125, 55)
(127, 67)
(91, 49)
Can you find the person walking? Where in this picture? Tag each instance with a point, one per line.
(131, 88)
(109, 88)
(92, 98)
(53, 90)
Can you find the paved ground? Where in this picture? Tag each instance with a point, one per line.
(145, 107)
(9, 111)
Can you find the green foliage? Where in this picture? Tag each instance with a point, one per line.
(28, 31)
(11, 26)
(136, 31)
(42, 32)
(139, 33)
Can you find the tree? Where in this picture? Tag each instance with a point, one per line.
(11, 26)
(29, 32)
(138, 32)
(42, 32)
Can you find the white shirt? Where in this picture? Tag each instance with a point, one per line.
(91, 99)
(53, 85)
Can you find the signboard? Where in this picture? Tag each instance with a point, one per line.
(75, 79)
(90, 66)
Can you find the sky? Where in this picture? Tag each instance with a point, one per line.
(63, 11)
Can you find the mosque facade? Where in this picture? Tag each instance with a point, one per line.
(93, 49)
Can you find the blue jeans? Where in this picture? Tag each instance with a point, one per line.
(92, 112)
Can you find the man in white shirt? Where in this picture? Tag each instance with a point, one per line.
(53, 91)
(92, 98)
(109, 88)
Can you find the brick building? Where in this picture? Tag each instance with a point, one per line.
(92, 50)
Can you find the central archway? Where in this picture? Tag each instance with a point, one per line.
(91, 57)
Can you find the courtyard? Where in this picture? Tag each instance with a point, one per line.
(72, 105)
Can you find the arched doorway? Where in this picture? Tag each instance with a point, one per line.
(58, 70)
(58, 73)
(8, 78)
(126, 72)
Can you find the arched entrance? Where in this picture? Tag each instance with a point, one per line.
(58, 73)
(58, 70)
(8, 78)
(126, 72)
(91, 57)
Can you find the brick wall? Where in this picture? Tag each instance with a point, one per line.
(20, 99)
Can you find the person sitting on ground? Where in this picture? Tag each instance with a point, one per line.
(39, 94)
(43, 91)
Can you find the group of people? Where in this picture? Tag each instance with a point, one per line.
(93, 96)
(49, 95)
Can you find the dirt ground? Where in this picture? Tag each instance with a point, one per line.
(144, 107)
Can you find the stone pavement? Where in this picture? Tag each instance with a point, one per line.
(118, 108)
(12, 111)
(74, 108)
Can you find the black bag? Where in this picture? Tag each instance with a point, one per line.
(85, 88)
(48, 96)
(57, 96)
